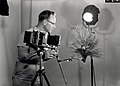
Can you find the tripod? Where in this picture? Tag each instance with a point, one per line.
(40, 72)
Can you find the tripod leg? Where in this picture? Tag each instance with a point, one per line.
(41, 79)
(32, 84)
(46, 78)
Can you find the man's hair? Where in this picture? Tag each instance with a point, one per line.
(45, 15)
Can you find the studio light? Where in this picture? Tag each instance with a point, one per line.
(90, 15)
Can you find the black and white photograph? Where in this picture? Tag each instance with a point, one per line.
(59, 43)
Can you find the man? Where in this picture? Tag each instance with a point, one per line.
(26, 67)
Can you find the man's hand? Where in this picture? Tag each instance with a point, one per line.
(51, 53)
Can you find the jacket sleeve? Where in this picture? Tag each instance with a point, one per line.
(27, 54)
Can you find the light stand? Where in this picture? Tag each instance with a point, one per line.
(91, 71)
(65, 60)
(59, 62)
(93, 81)
(92, 65)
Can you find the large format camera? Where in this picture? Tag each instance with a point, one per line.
(38, 38)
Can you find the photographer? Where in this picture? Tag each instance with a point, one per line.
(28, 58)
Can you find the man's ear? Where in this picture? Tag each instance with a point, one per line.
(44, 22)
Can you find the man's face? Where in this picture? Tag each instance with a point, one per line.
(51, 23)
